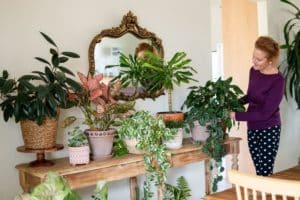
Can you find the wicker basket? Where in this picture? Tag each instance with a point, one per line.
(39, 137)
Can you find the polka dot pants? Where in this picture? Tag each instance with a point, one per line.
(263, 145)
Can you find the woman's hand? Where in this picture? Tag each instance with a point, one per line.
(232, 115)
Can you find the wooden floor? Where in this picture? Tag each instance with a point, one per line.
(289, 174)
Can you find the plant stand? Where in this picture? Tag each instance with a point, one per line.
(40, 155)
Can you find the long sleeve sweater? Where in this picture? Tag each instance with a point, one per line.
(264, 94)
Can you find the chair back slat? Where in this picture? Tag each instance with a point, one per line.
(273, 187)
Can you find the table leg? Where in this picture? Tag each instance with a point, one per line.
(133, 187)
(23, 183)
(207, 177)
(235, 161)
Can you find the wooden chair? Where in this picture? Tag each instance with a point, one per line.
(263, 187)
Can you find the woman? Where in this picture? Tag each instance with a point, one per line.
(264, 94)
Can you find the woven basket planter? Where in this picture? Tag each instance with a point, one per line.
(39, 137)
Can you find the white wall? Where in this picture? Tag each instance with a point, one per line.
(289, 150)
(72, 24)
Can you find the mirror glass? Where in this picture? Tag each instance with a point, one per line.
(107, 52)
(105, 47)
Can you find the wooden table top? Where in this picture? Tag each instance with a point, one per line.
(63, 167)
(289, 174)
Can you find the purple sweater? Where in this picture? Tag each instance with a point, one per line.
(264, 95)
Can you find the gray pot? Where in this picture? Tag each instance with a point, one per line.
(199, 133)
(101, 143)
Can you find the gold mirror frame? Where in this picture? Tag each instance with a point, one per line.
(129, 24)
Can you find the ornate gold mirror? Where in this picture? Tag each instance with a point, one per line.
(105, 48)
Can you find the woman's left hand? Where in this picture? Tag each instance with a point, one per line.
(232, 115)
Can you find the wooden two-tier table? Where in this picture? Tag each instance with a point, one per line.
(117, 168)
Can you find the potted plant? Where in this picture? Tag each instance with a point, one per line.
(132, 78)
(292, 43)
(167, 74)
(35, 99)
(150, 132)
(79, 150)
(209, 106)
(101, 112)
(176, 142)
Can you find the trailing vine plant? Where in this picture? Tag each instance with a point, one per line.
(150, 133)
(209, 105)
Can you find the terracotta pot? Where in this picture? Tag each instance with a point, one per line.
(79, 155)
(39, 137)
(199, 133)
(101, 143)
(176, 142)
(172, 116)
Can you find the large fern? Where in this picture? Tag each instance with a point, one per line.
(179, 192)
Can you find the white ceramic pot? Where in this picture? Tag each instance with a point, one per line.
(176, 142)
(199, 133)
(79, 155)
(131, 145)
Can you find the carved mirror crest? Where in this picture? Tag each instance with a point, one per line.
(105, 47)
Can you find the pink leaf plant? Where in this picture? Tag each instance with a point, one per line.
(97, 102)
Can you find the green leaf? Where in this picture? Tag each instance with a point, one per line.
(55, 60)
(30, 77)
(60, 77)
(53, 51)
(74, 84)
(8, 86)
(5, 74)
(65, 70)
(49, 74)
(42, 60)
(71, 54)
(48, 39)
(27, 85)
(43, 91)
(63, 59)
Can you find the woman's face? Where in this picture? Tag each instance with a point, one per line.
(260, 60)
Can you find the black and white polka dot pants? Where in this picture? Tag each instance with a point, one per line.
(263, 145)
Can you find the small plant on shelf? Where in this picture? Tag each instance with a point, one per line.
(77, 138)
(101, 113)
(79, 151)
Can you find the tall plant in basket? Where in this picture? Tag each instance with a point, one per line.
(35, 99)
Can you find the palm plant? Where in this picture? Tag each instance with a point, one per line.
(133, 81)
(167, 74)
(292, 45)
